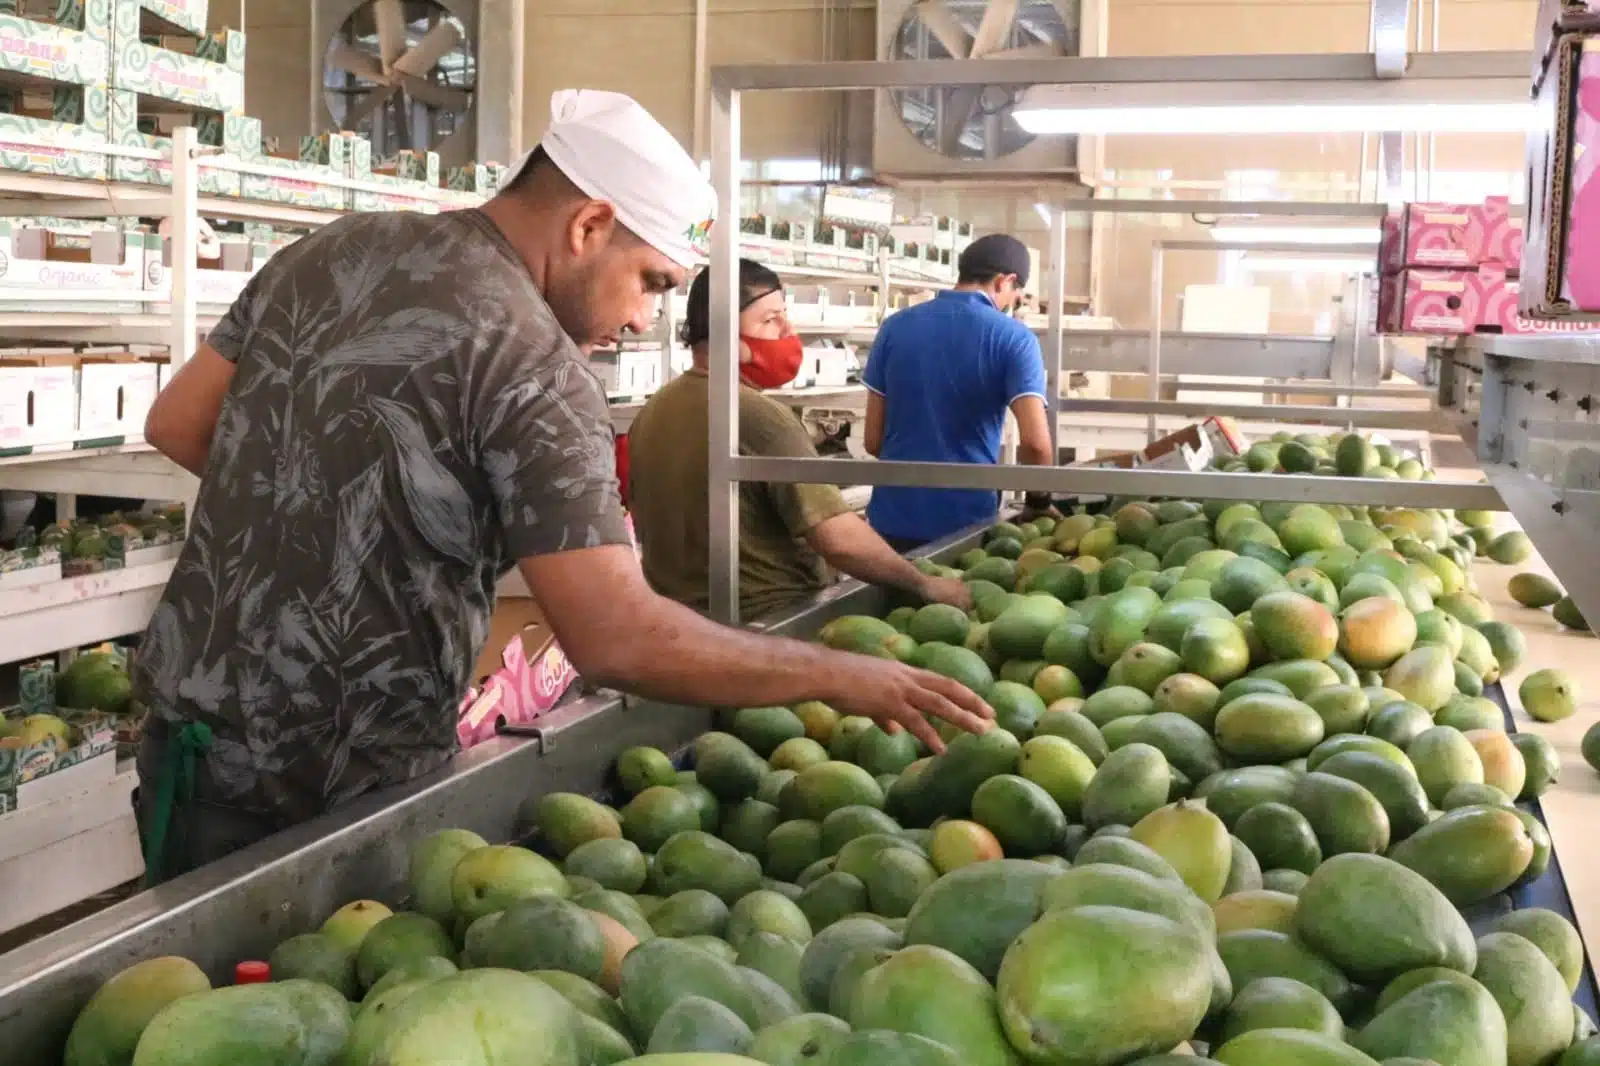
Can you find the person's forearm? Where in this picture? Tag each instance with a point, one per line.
(851, 546)
(677, 656)
(1034, 453)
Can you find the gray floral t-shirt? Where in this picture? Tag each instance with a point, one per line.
(407, 419)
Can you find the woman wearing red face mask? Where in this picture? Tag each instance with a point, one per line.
(790, 536)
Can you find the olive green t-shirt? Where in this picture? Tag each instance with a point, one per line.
(670, 499)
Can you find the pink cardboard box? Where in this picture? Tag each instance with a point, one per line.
(1451, 236)
(1438, 301)
(1561, 262)
(1502, 246)
(534, 676)
(1557, 17)
(1498, 314)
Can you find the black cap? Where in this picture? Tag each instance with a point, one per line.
(995, 254)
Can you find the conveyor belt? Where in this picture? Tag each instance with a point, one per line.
(1549, 891)
(241, 907)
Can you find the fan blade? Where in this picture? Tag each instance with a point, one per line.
(360, 64)
(1052, 50)
(959, 107)
(390, 17)
(435, 45)
(442, 97)
(944, 25)
(994, 29)
(368, 103)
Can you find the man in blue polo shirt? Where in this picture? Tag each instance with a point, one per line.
(940, 379)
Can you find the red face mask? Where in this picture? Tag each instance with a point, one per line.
(774, 362)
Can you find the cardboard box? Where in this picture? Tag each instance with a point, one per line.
(346, 153)
(1561, 262)
(1437, 301)
(485, 179)
(38, 404)
(131, 126)
(114, 397)
(38, 773)
(54, 129)
(1555, 18)
(1502, 247)
(420, 167)
(1440, 235)
(1214, 436)
(297, 183)
(217, 281)
(100, 271)
(523, 680)
(171, 75)
(1111, 461)
(1500, 315)
(187, 16)
(73, 47)
(394, 194)
(22, 568)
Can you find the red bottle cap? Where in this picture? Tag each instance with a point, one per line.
(251, 973)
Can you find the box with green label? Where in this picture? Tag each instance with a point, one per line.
(56, 40)
(132, 125)
(485, 179)
(137, 65)
(60, 131)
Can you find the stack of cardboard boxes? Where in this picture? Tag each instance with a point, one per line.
(1561, 270)
(1448, 268)
(79, 76)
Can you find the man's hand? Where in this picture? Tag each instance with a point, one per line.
(897, 696)
(951, 590)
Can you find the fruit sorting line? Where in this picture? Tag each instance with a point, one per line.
(242, 906)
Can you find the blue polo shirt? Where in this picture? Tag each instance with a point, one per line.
(948, 370)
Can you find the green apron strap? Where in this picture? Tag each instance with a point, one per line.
(174, 786)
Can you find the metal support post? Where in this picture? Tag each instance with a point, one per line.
(1492, 408)
(724, 357)
(1053, 341)
(1153, 366)
(185, 236)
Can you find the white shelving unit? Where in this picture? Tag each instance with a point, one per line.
(76, 611)
(81, 838)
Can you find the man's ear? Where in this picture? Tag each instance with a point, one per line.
(591, 226)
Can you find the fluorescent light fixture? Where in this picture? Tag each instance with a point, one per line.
(1279, 118)
(1272, 264)
(1401, 105)
(1043, 211)
(1296, 234)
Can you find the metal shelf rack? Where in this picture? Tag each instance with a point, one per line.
(1441, 75)
(1530, 406)
(77, 611)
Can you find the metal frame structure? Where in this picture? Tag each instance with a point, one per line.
(1158, 258)
(1284, 75)
(1530, 404)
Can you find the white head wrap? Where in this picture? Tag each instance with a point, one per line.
(613, 150)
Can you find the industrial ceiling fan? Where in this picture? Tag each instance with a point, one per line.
(403, 52)
(975, 120)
